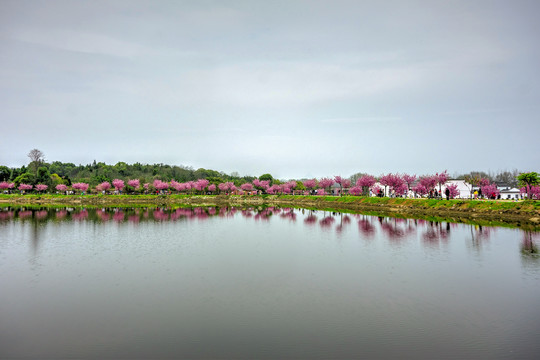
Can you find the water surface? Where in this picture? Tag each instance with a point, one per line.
(262, 283)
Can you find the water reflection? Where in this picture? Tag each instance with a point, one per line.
(432, 233)
(277, 278)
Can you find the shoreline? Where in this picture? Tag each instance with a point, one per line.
(522, 214)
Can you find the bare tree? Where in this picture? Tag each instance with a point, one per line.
(36, 159)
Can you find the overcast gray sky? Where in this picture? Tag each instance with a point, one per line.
(294, 88)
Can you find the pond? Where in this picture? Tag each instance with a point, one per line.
(262, 283)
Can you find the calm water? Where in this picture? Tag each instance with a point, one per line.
(274, 283)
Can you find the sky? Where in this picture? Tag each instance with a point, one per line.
(297, 89)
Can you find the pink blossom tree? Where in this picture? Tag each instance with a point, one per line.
(342, 182)
(104, 186)
(82, 187)
(201, 184)
(356, 190)
(41, 187)
(261, 185)
(394, 181)
(409, 180)
(490, 191)
(247, 187)
(310, 184)
(453, 191)
(118, 184)
(366, 182)
(212, 188)
(223, 187)
(4, 185)
(134, 184)
(61, 187)
(25, 187)
(420, 189)
(429, 182)
(288, 187)
(442, 178)
(325, 183)
(160, 185)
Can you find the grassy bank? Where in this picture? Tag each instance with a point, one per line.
(488, 212)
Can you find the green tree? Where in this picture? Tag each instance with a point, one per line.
(37, 158)
(527, 180)
(267, 177)
(26, 178)
(5, 173)
(43, 176)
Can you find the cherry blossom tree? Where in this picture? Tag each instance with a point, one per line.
(453, 190)
(4, 185)
(310, 184)
(160, 185)
(490, 191)
(61, 187)
(118, 184)
(41, 187)
(442, 178)
(80, 186)
(104, 186)
(420, 189)
(212, 188)
(356, 190)
(25, 187)
(261, 184)
(428, 182)
(409, 180)
(134, 183)
(247, 187)
(366, 182)
(201, 184)
(325, 183)
(395, 182)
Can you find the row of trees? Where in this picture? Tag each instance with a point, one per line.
(41, 176)
(397, 185)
